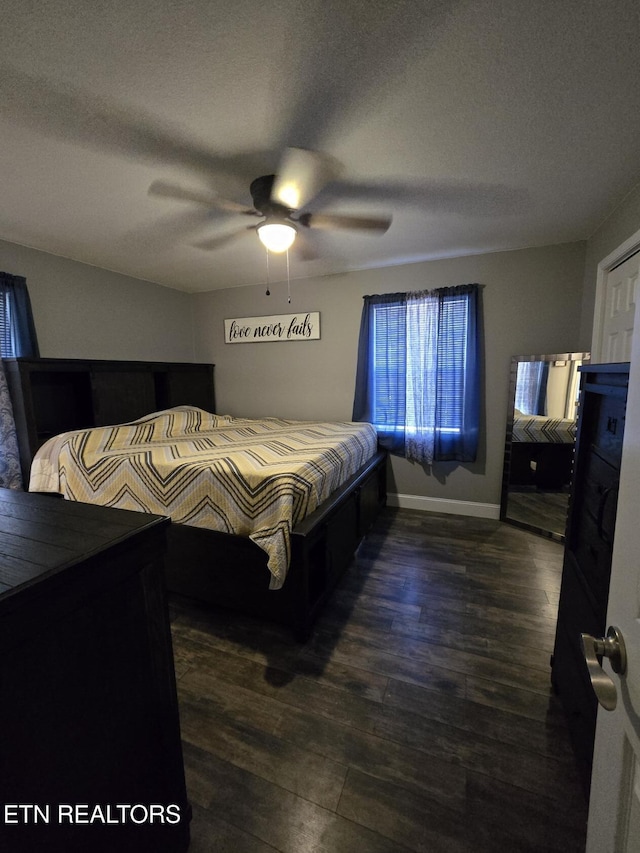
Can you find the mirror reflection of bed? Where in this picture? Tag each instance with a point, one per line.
(540, 437)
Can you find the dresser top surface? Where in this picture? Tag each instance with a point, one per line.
(607, 367)
(41, 534)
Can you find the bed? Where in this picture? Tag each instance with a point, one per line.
(538, 429)
(542, 451)
(268, 513)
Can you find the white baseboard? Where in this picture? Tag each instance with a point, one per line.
(450, 507)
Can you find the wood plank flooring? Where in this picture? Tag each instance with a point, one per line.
(546, 510)
(418, 717)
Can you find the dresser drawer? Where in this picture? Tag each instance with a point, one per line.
(570, 681)
(609, 427)
(579, 612)
(599, 495)
(569, 674)
(593, 555)
(593, 523)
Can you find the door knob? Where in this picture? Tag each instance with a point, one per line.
(612, 647)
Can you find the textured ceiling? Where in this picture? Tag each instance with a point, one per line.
(480, 126)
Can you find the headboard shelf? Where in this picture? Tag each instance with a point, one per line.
(52, 395)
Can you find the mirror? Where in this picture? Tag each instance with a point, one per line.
(540, 437)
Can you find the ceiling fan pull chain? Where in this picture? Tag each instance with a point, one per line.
(268, 293)
(288, 280)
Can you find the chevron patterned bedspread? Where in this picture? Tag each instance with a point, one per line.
(540, 429)
(255, 478)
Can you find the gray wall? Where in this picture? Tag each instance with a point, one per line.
(532, 301)
(86, 312)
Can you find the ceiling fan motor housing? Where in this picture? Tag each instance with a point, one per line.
(260, 190)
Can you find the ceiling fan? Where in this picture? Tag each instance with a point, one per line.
(278, 200)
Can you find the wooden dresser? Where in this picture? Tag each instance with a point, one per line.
(589, 547)
(88, 705)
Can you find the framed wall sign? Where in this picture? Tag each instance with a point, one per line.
(277, 327)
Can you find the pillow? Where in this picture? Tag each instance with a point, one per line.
(183, 420)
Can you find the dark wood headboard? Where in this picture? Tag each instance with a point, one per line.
(53, 395)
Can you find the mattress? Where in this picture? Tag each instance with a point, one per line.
(539, 429)
(253, 478)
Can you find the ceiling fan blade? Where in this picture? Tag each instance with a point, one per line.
(332, 221)
(223, 239)
(162, 234)
(79, 116)
(301, 175)
(450, 196)
(304, 249)
(210, 199)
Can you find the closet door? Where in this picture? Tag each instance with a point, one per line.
(616, 295)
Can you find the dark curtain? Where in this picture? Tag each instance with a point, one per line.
(10, 472)
(382, 343)
(464, 376)
(17, 338)
(531, 387)
(541, 401)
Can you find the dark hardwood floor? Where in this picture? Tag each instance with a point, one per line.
(547, 510)
(418, 717)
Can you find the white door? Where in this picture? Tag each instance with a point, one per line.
(617, 292)
(614, 813)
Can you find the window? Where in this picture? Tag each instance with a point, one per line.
(418, 373)
(531, 387)
(389, 357)
(17, 331)
(6, 347)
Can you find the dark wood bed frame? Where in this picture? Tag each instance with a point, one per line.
(50, 396)
(231, 571)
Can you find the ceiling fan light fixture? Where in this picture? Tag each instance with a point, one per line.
(276, 235)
